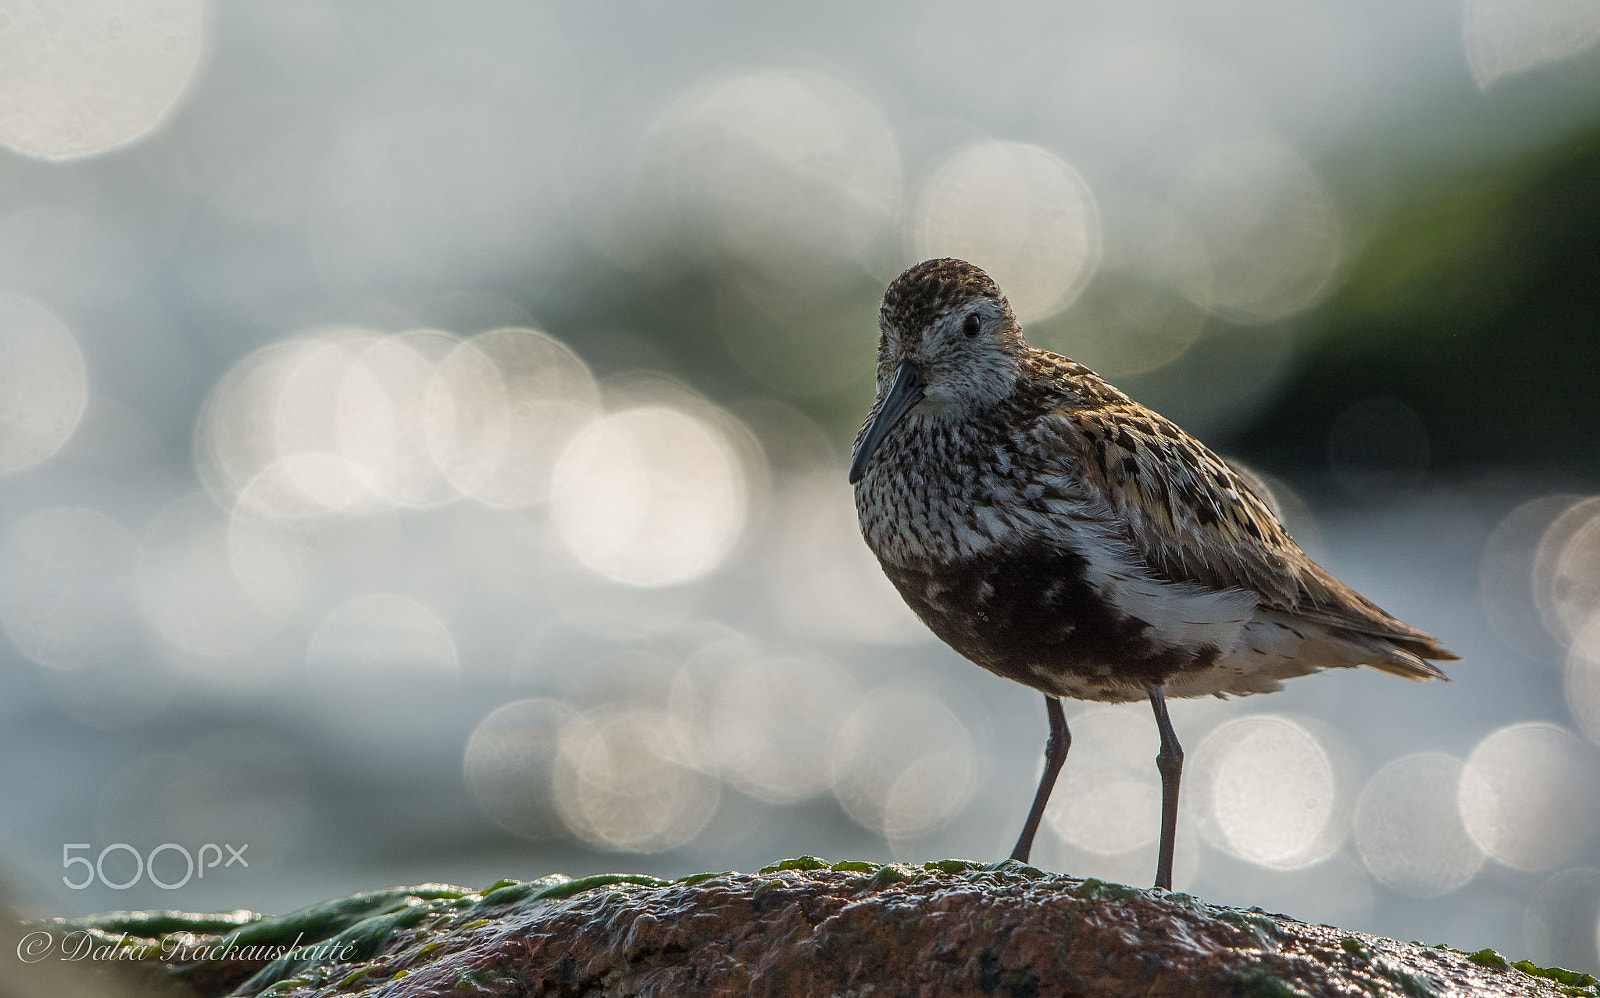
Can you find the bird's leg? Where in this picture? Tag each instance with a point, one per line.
(1055, 753)
(1170, 763)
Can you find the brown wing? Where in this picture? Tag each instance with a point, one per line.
(1195, 518)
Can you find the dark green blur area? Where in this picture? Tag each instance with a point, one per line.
(1476, 302)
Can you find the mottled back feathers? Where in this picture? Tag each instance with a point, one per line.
(1193, 516)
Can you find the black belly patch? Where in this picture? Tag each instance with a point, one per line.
(1022, 613)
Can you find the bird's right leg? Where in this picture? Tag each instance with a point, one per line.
(1169, 762)
(1055, 753)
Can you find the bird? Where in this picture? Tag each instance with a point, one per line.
(1057, 533)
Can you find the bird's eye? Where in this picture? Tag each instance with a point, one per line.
(969, 325)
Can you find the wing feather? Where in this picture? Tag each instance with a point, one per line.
(1196, 518)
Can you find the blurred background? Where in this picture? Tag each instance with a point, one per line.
(423, 435)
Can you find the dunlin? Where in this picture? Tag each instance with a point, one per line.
(1057, 533)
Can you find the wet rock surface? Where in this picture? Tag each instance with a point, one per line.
(803, 927)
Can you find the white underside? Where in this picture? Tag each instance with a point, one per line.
(1259, 648)
(1180, 614)
(1269, 650)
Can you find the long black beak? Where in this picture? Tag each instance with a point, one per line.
(905, 392)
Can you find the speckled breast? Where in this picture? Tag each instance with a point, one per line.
(986, 551)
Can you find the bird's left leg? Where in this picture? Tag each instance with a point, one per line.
(1170, 763)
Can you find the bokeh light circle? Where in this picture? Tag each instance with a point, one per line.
(1021, 213)
(1125, 323)
(189, 590)
(631, 780)
(344, 419)
(1408, 826)
(1560, 920)
(1109, 798)
(773, 722)
(1506, 573)
(833, 586)
(1255, 234)
(305, 421)
(1583, 679)
(649, 496)
(1273, 792)
(271, 424)
(902, 764)
(500, 409)
(43, 383)
(1567, 570)
(792, 172)
(1530, 795)
(89, 76)
(508, 764)
(381, 418)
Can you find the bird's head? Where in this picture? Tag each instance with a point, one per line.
(949, 346)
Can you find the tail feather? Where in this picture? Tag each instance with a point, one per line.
(1402, 658)
(1329, 645)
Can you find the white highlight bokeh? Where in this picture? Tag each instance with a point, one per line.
(1268, 791)
(306, 424)
(1530, 795)
(1409, 830)
(903, 764)
(1566, 570)
(285, 563)
(501, 408)
(631, 780)
(649, 496)
(237, 434)
(1021, 213)
(1583, 679)
(772, 724)
(88, 76)
(1506, 573)
(1254, 233)
(1108, 797)
(43, 384)
(508, 764)
(1560, 919)
(345, 419)
(381, 418)
(832, 585)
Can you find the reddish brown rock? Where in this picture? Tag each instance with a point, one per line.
(806, 928)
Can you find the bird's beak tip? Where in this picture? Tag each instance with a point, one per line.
(905, 392)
